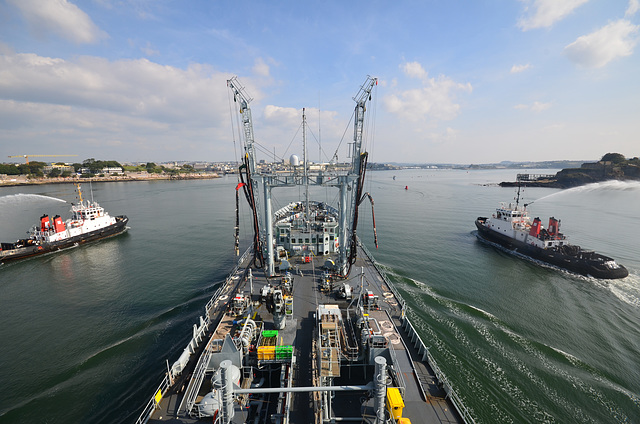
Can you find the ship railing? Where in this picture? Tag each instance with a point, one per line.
(231, 275)
(399, 378)
(152, 404)
(155, 400)
(191, 393)
(422, 348)
(350, 345)
(383, 275)
(442, 378)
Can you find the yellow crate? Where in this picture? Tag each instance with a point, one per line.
(394, 402)
(266, 353)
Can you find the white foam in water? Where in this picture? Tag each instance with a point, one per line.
(627, 289)
(605, 185)
(489, 315)
(20, 197)
(494, 368)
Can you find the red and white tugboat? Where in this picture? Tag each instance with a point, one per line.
(512, 228)
(89, 222)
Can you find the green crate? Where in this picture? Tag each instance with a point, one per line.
(284, 352)
(270, 333)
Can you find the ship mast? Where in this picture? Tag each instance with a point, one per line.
(306, 173)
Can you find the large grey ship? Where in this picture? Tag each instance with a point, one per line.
(306, 328)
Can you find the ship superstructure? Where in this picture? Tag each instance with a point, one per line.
(306, 329)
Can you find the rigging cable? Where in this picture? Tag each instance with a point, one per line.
(373, 215)
(240, 184)
(237, 227)
(353, 253)
(335, 154)
(258, 258)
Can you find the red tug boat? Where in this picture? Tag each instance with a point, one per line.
(512, 228)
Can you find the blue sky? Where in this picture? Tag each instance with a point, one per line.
(459, 81)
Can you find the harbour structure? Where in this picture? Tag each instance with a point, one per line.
(306, 328)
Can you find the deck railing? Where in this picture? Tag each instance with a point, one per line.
(442, 378)
(152, 404)
(384, 276)
(191, 392)
(423, 349)
(155, 399)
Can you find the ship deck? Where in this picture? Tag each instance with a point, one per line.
(425, 400)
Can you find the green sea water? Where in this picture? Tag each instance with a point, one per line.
(86, 332)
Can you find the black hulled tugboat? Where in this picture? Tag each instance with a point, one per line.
(512, 228)
(88, 222)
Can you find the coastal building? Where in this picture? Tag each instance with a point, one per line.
(114, 170)
(62, 168)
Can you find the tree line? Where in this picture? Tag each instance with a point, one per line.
(95, 167)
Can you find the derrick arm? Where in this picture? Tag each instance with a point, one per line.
(359, 165)
(248, 167)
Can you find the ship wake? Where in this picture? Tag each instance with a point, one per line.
(483, 355)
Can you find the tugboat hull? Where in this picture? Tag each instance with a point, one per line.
(569, 257)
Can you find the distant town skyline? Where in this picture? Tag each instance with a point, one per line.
(459, 83)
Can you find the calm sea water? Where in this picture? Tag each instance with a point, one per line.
(86, 332)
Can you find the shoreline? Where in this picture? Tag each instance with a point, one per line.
(13, 182)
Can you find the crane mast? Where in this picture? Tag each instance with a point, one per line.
(240, 96)
(352, 184)
(358, 126)
(248, 169)
(349, 180)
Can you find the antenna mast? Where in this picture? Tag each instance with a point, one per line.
(304, 163)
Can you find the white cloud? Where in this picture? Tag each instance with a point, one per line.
(539, 106)
(545, 13)
(138, 87)
(60, 17)
(278, 115)
(534, 107)
(147, 106)
(260, 68)
(414, 70)
(434, 100)
(520, 68)
(446, 136)
(610, 42)
(148, 50)
(634, 6)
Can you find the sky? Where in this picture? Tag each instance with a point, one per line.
(465, 82)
